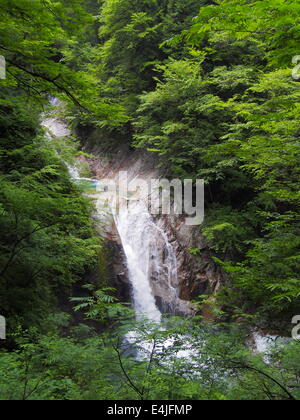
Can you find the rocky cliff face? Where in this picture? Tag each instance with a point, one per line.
(197, 274)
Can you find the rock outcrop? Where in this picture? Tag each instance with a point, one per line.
(197, 274)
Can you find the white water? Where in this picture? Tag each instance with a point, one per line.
(139, 236)
(170, 264)
(135, 228)
(264, 343)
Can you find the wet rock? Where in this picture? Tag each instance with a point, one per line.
(197, 274)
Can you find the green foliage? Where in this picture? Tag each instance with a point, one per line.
(102, 305)
(131, 33)
(37, 39)
(178, 114)
(272, 25)
(198, 363)
(47, 238)
(226, 116)
(215, 102)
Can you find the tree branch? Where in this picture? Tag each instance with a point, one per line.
(130, 382)
(47, 79)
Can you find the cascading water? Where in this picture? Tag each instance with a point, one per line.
(171, 266)
(134, 226)
(140, 236)
(146, 260)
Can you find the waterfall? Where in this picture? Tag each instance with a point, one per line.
(136, 231)
(150, 256)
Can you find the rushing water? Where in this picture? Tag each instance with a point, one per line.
(135, 228)
(139, 236)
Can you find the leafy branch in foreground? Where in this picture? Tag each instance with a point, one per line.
(34, 37)
(102, 306)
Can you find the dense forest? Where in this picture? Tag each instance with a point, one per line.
(211, 90)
